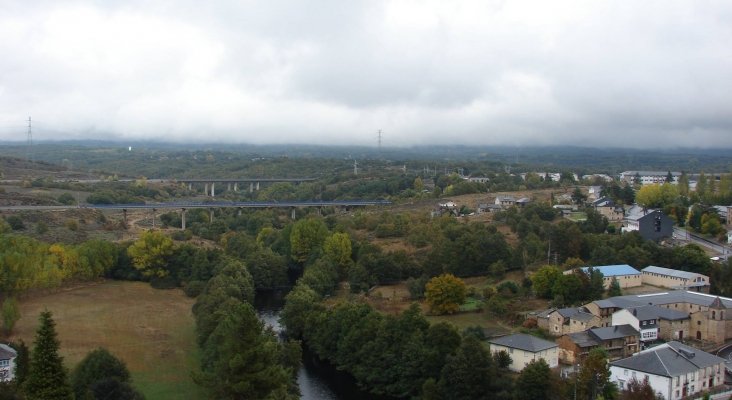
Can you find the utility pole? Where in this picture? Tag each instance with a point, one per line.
(355, 167)
(29, 151)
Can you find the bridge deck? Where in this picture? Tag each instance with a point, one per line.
(219, 204)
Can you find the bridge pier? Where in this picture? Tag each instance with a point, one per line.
(292, 214)
(257, 186)
(183, 218)
(238, 212)
(153, 217)
(213, 189)
(190, 186)
(228, 187)
(205, 189)
(236, 187)
(251, 187)
(210, 216)
(124, 215)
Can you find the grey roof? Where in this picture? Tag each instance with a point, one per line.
(524, 200)
(583, 339)
(670, 272)
(645, 313)
(614, 332)
(578, 313)
(7, 352)
(603, 202)
(670, 359)
(524, 342)
(637, 212)
(661, 298)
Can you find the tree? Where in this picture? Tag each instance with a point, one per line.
(337, 248)
(535, 381)
(503, 359)
(683, 184)
(577, 196)
(22, 362)
(306, 238)
(470, 373)
(614, 289)
(445, 294)
(47, 378)
(657, 196)
(669, 177)
(637, 390)
(543, 281)
(151, 252)
(241, 360)
(10, 314)
(594, 377)
(99, 365)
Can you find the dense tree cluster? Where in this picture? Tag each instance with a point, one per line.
(241, 358)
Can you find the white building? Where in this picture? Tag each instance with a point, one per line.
(673, 370)
(7, 363)
(648, 177)
(525, 348)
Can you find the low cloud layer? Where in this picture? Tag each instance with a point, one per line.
(623, 74)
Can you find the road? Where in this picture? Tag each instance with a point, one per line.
(684, 235)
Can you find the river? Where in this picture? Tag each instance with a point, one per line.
(317, 380)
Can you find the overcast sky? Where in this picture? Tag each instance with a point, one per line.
(619, 73)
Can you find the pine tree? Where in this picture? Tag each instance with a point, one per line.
(47, 378)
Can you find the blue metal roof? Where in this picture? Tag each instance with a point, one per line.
(614, 270)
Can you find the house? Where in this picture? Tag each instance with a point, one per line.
(447, 207)
(567, 320)
(723, 212)
(710, 319)
(619, 341)
(648, 321)
(7, 363)
(651, 224)
(674, 279)
(626, 275)
(606, 207)
(648, 177)
(488, 208)
(522, 202)
(593, 192)
(525, 348)
(596, 177)
(505, 201)
(674, 370)
(479, 179)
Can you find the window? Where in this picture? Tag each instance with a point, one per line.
(4, 363)
(510, 351)
(677, 382)
(625, 372)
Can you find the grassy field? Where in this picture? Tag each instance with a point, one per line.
(151, 330)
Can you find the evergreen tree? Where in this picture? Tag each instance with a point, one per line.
(22, 362)
(470, 373)
(614, 289)
(47, 376)
(535, 382)
(97, 366)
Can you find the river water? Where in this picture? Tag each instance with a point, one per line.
(317, 380)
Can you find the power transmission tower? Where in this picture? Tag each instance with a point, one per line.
(379, 140)
(29, 151)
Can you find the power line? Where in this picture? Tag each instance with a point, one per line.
(29, 151)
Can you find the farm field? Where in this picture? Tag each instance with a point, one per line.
(151, 330)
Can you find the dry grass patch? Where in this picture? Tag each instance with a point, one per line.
(151, 330)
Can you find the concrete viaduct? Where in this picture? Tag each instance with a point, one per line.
(183, 206)
(253, 183)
